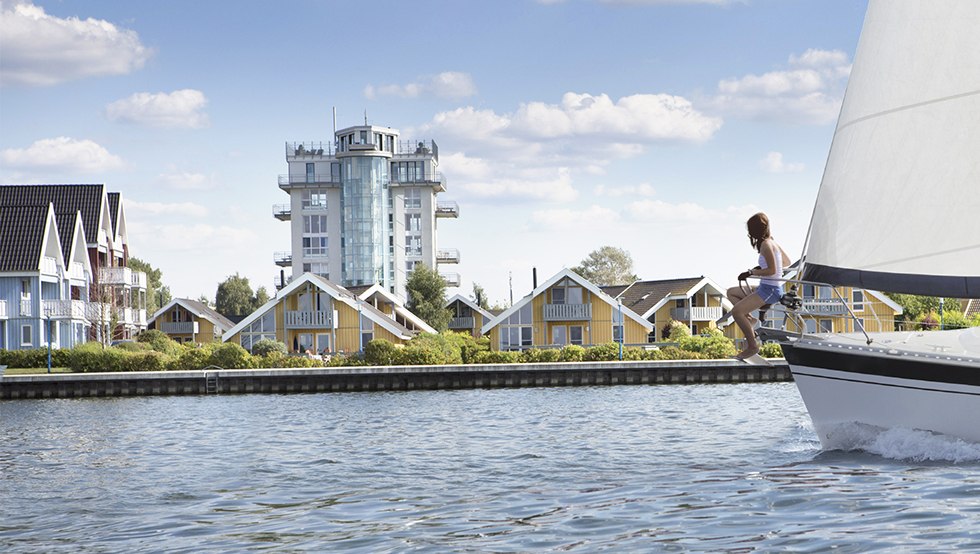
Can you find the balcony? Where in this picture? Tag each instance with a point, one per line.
(122, 276)
(435, 180)
(49, 266)
(307, 320)
(416, 148)
(77, 272)
(26, 307)
(179, 327)
(3, 309)
(567, 312)
(451, 279)
(447, 209)
(64, 309)
(447, 256)
(308, 150)
(282, 212)
(824, 306)
(283, 259)
(462, 322)
(322, 179)
(696, 313)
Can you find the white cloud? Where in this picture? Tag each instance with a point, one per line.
(811, 91)
(773, 163)
(185, 180)
(162, 208)
(543, 185)
(62, 154)
(664, 2)
(42, 50)
(452, 85)
(565, 219)
(181, 108)
(643, 189)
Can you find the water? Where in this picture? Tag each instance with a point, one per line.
(660, 468)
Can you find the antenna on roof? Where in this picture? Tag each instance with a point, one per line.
(335, 120)
(365, 117)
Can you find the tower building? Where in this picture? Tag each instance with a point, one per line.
(363, 209)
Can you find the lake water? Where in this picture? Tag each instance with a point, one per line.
(631, 468)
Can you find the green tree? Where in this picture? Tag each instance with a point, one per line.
(480, 297)
(157, 295)
(916, 307)
(234, 296)
(427, 296)
(607, 266)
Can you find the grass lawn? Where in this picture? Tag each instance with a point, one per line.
(34, 370)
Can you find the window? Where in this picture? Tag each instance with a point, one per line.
(315, 199)
(575, 334)
(315, 224)
(857, 300)
(516, 332)
(262, 328)
(679, 303)
(410, 265)
(559, 335)
(335, 172)
(617, 333)
(809, 292)
(617, 325)
(859, 325)
(310, 173)
(367, 331)
(317, 268)
(413, 246)
(177, 315)
(557, 296)
(314, 247)
(413, 223)
(827, 325)
(566, 292)
(413, 198)
(811, 326)
(26, 335)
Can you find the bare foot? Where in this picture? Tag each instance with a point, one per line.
(747, 353)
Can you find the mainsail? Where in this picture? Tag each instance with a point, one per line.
(899, 204)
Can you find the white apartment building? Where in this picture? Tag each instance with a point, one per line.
(363, 210)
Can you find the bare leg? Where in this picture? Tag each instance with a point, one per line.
(742, 318)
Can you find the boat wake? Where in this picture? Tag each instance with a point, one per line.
(902, 444)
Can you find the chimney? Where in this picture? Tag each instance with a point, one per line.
(534, 278)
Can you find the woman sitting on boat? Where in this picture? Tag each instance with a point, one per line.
(770, 271)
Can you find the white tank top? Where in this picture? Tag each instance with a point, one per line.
(774, 279)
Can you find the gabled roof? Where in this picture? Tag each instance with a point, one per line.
(114, 204)
(89, 200)
(200, 310)
(646, 297)
(564, 273)
(487, 316)
(368, 291)
(72, 236)
(338, 293)
(23, 232)
(879, 296)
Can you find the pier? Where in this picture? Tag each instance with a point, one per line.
(388, 378)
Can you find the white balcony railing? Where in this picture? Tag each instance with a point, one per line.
(447, 256)
(122, 276)
(3, 309)
(49, 266)
(308, 320)
(26, 307)
(282, 212)
(829, 306)
(697, 313)
(179, 327)
(567, 312)
(451, 279)
(64, 309)
(283, 259)
(77, 271)
(462, 322)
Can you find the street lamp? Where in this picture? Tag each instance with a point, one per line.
(942, 301)
(622, 328)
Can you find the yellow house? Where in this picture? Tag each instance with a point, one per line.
(694, 301)
(391, 306)
(467, 316)
(312, 314)
(186, 320)
(566, 309)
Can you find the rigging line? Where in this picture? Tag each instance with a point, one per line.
(909, 107)
(929, 255)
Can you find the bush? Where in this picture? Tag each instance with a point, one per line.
(602, 352)
(33, 358)
(148, 360)
(673, 353)
(678, 330)
(190, 359)
(712, 345)
(278, 359)
(229, 356)
(468, 346)
(571, 353)
(382, 352)
(633, 353)
(771, 350)
(160, 342)
(132, 346)
(92, 358)
(498, 357)
(267, 346)
(534, 355)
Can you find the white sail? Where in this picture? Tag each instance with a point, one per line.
(899, 204)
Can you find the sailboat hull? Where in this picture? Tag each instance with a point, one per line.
(885, 386)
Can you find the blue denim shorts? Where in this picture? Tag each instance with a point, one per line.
(770, 293)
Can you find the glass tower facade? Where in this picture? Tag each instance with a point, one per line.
(364, 199)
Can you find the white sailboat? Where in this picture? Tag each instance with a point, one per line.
(899, 210)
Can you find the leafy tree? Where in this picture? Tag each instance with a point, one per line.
(234, 297)
(203, 299)
(157, 295)
(480, 297)
(427, 296)
(607, 266)
(915, 307)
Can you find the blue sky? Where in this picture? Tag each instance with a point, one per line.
(656, 126)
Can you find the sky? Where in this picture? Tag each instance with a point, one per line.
(655, 126)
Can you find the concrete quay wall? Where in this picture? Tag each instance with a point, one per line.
(388, 378)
